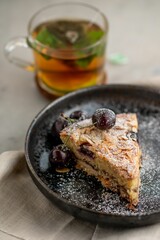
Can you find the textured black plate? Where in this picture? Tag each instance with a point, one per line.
(81, 195)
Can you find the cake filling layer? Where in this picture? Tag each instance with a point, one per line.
(107, 182)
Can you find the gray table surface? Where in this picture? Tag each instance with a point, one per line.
(134, 32)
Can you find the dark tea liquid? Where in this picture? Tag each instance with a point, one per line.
(66, 61)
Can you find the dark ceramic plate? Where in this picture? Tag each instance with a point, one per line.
(81, 195)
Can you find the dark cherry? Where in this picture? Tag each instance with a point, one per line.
(78, 115)
(60, 123)
(60, 157)
(85, 150)
(104, 118)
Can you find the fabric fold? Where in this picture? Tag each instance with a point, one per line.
(26, 214)
(24, 210)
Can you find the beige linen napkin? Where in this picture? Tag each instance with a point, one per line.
(27, 215)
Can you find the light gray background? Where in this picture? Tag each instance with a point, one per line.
(134, 31)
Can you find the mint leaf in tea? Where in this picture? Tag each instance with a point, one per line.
(70, 35)
(90, 38)
(48, 39)
(70, 54)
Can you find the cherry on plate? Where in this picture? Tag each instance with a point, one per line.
(104, 118)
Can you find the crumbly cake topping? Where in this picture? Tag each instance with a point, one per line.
(117, 145)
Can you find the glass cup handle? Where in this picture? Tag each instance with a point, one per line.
(9, 49)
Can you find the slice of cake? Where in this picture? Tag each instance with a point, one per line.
(112, 156)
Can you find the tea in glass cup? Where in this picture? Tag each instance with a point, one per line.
(68, 42)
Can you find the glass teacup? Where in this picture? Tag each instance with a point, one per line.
(68, 42)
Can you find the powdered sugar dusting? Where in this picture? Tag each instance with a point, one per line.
(82, 190)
